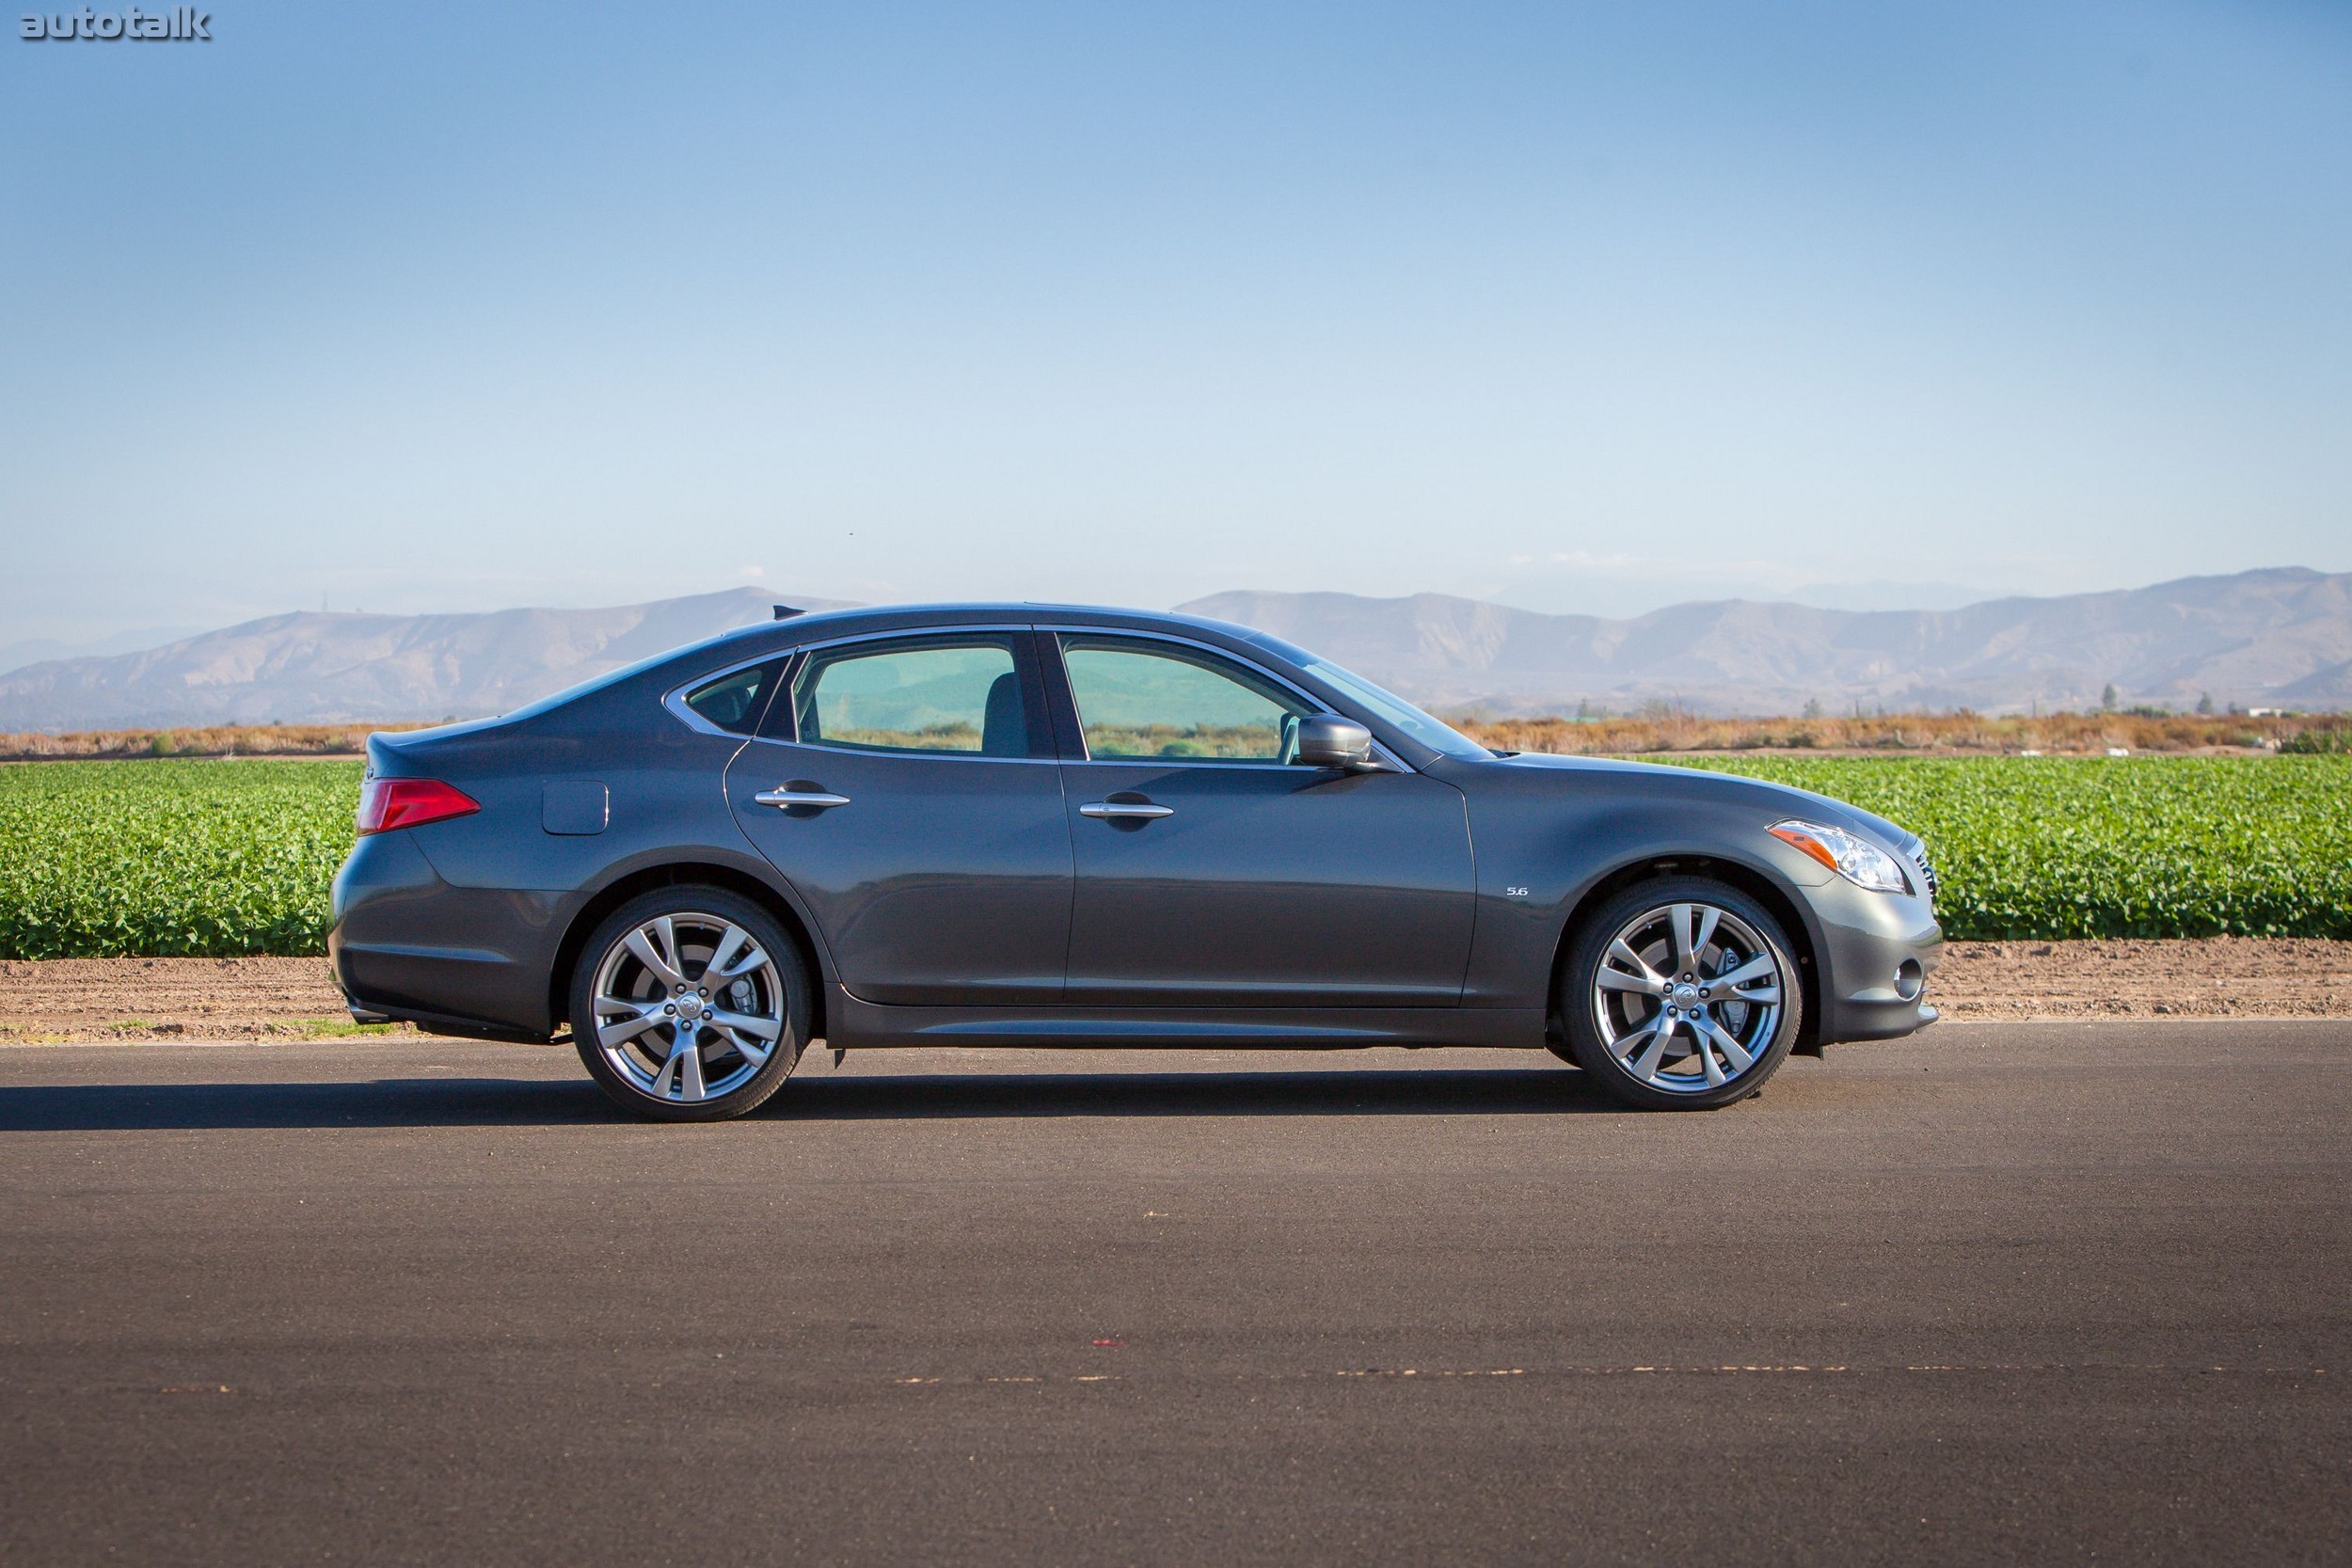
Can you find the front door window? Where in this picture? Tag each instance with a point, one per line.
(1140, 701)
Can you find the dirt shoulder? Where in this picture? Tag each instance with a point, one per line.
(2208, 977)
(62, 999)
(57, 1000)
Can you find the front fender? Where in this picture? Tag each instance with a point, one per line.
(1540, 863)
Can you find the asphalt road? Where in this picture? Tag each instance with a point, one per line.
(2021, 1292)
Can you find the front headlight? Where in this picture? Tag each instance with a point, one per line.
(1856, 858)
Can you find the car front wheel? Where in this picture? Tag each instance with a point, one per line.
(1680, 994)
(690, 1004)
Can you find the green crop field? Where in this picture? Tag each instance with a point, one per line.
(2138, 847)
(210, 858)
(217, 858)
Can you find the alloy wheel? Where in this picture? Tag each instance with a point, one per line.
(1687, 997)
(689, 1007)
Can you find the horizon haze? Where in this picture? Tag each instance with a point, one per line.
(2277, 637)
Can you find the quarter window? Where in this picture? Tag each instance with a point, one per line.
(1144, 701)
(733, 701)
(959, 694)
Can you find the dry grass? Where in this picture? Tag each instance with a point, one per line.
(1955, 733)
(1958, 734)
(217, 740)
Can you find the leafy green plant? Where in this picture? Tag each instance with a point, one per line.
(2157, 847)
(218, 858)
(171, 857)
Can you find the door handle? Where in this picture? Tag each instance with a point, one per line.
(1126, 811)
(785, 799)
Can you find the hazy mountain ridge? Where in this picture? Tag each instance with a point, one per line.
(2282, 635)
(2276, 637)
(315, 667)
(43, 650)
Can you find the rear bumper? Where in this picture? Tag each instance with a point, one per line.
(468, 962)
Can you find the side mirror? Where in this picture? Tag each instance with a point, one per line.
(1325, 742)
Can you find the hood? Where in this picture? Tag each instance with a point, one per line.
(1786, 799)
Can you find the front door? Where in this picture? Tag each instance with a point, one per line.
(906, 787)
(1211, 873)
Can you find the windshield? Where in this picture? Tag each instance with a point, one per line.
(1432, 733)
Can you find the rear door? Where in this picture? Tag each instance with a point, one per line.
(906, 786)
(1211, 873)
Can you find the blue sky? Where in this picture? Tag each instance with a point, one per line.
(416, 308)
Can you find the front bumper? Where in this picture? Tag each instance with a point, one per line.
(1874, 953)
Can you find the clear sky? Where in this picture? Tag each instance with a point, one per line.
(414, 307)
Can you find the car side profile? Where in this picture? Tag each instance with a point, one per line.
(1020, 825)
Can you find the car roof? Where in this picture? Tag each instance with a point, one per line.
(765, 640)
(821, 624)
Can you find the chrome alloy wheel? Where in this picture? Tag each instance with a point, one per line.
(687, 1006)
(1687, 997)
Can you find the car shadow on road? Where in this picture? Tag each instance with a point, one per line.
(554, 1103)
(373, 1102)
(1366, 1092)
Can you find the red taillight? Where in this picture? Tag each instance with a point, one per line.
(388, 803)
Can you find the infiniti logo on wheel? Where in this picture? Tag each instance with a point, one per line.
(180, 22)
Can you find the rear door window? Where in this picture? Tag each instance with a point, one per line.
(961, 694)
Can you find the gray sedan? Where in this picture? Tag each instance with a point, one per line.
(1009, 824)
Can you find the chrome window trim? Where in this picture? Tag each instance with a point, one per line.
(1390, 762)
(951, 629)
(796, 657)
(878, 751)
(674, 699)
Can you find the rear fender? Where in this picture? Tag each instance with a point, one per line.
(748, 874)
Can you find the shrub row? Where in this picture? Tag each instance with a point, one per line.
(223, 858)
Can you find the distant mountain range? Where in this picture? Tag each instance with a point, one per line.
(34, 650)
(2278, 638)
(313, 667)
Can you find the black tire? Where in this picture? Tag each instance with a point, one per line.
(647, 1069)
(1604, 1021)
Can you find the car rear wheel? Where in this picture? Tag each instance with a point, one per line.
(1680, 994)
(690, 1004)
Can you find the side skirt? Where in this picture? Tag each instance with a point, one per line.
(863, 1026)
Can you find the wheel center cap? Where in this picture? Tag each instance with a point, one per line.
(689, 1005)
(1686, 995)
